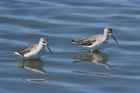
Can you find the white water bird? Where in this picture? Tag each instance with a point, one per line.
(33, 50)
(96, 42)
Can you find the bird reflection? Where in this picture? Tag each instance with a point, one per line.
(99, 58)
(92, 73)
(32, 65)
(36, 80)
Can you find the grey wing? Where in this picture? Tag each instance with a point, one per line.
(28, 48)
(90, 40)
(86, 42)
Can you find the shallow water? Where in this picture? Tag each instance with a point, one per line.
(71, 68)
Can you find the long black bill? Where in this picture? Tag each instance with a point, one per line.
(49, 48)
(114, 38)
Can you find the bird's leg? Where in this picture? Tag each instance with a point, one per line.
(91, 50)
(94, 50)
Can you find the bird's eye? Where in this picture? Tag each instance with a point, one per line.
(44, 42)
(109, 32)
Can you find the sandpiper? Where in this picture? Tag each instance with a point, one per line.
(96, 42)
(33, 50)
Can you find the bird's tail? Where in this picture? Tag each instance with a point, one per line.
(17, 53)
(74, 41)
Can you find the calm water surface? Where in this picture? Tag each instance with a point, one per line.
(71, 68)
